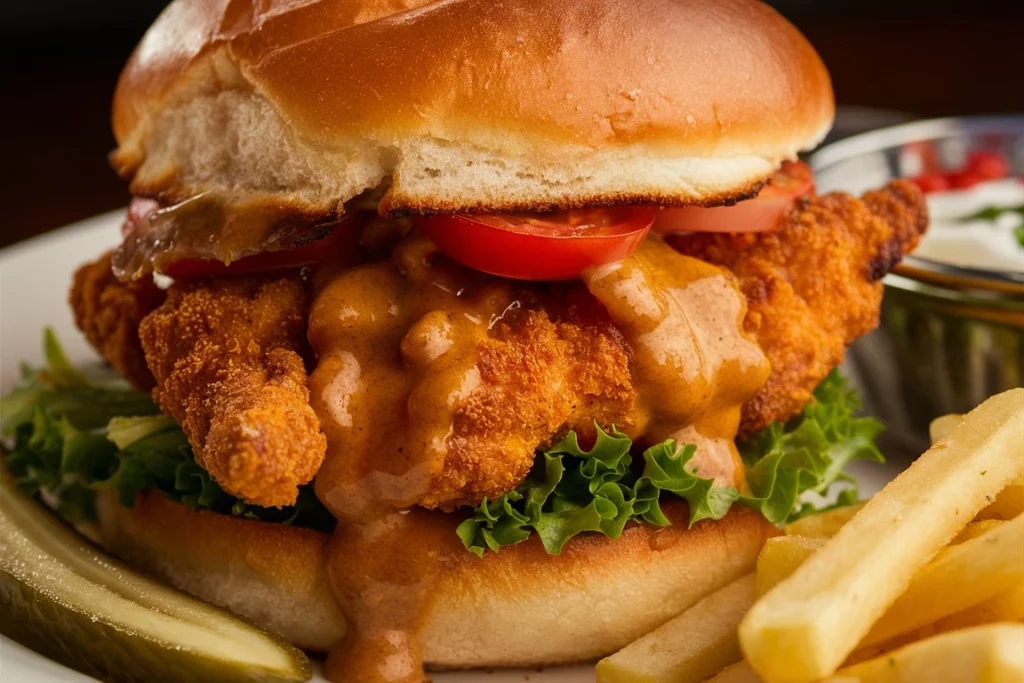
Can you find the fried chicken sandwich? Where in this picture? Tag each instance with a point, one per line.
(464, 333)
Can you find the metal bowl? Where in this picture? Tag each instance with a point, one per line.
(950, 337)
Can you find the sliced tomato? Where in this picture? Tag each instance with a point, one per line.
(342, 245)
(544, 246)
(793, 180)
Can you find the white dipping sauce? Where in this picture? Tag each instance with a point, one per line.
(990, 245)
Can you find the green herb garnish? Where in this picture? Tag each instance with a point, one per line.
(993, 213)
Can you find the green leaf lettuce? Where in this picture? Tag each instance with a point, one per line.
(811, 455)
(572, 490)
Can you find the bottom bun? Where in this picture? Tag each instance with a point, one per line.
(519, 607)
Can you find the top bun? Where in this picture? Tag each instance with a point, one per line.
(467, 105)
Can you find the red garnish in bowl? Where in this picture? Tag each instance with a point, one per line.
(981, 165)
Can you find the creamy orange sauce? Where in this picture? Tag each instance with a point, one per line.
(398, 345)
(691, 361)
(383, 574)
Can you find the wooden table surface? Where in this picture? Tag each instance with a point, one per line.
(55, 109)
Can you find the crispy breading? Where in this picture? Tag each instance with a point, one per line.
(814, 286)
(227, 355)
(108, 312)
(542, 372)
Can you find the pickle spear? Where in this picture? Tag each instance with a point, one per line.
(62, 597)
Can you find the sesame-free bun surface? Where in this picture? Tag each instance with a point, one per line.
(467, 104)
(519, 607)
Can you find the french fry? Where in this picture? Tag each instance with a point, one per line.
(976, 528)
(740, 672)
(691, 647)
(780, 557)
(863, 654)
(984, 654)
(1008, 503)
(962, 576)
(941, 426)
(824, 524)
(804, 627)
(1008, 606)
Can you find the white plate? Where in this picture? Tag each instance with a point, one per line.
(34, 279)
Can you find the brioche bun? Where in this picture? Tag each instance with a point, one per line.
(519, 607)
(467, 105)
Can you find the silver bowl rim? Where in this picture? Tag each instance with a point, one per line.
(921, 131)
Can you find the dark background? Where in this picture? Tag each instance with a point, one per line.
(60, 60)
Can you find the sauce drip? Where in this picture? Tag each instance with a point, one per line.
(398, 344)
(692, 364)
(386, 597)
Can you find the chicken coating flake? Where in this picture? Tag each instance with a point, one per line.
(227, 357)
(108, 312)
(542, 372)
(814, 286)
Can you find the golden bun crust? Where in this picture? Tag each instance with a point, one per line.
(271, 573)
(520, 607)
(467, 104)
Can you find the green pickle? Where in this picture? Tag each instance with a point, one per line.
(64, 598)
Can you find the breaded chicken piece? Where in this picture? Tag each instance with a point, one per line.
(436, 385)
(542, 372)
(814, 286)
(228, 353)
(227, 357)
(108, 312)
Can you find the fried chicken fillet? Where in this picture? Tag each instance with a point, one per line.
(109, 313)
(560, 372)
(537, 360)
(814, 286)
(227, 357)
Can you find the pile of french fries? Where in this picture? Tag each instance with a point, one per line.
(923, 583)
